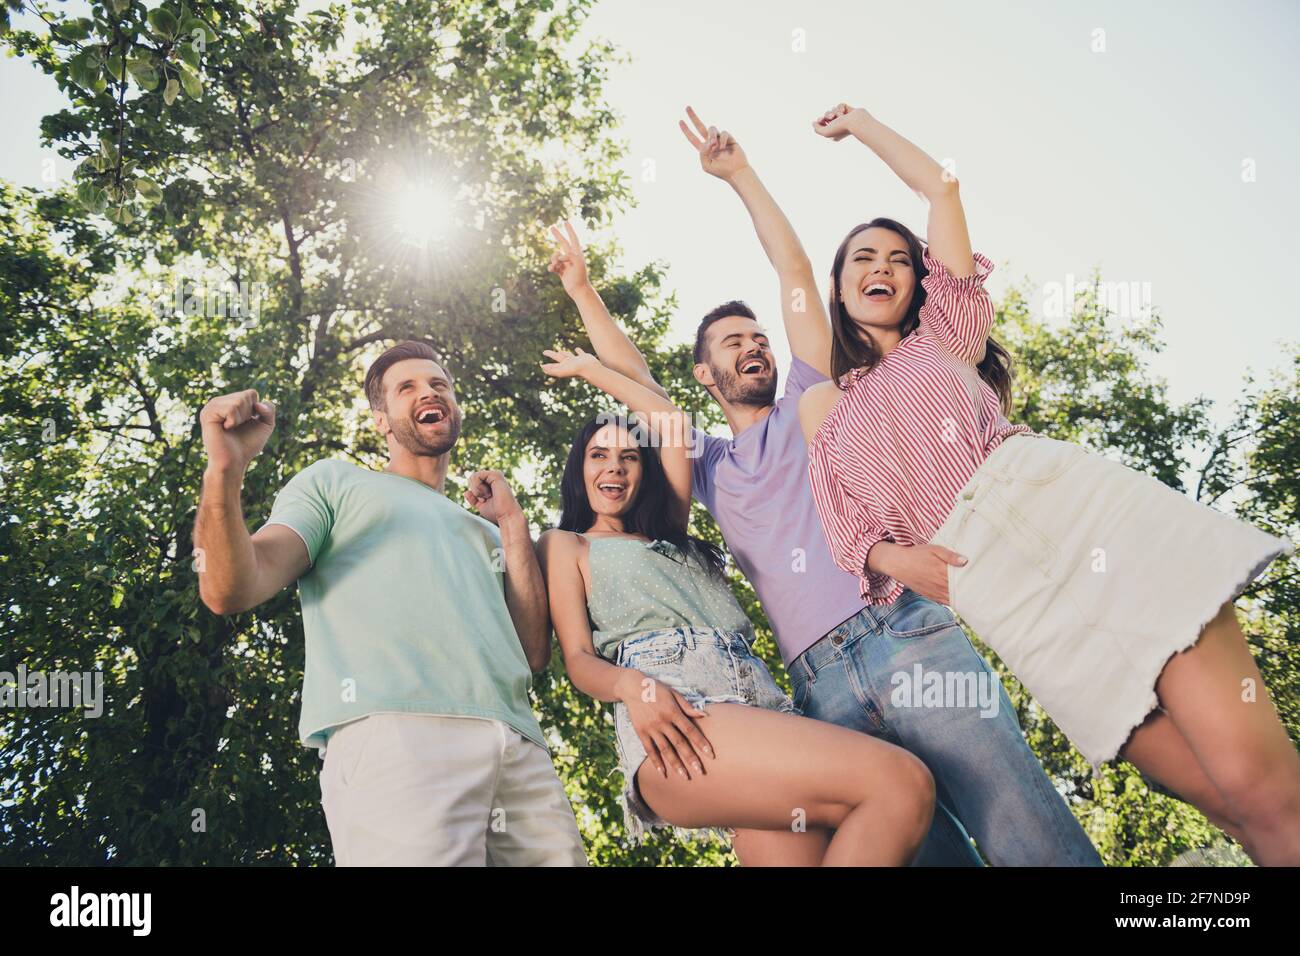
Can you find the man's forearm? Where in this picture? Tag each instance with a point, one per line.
(779, 240)
(227, 561)
(526, 592)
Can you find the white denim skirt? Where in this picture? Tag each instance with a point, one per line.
(1086, 576)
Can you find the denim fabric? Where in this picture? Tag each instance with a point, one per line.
(704, 665)
(907, 673)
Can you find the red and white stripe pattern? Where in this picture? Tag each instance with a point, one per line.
(890, 458)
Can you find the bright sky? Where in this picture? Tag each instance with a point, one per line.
(1131, 159)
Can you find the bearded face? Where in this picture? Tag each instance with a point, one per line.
(751, 380)
(740, 361)
(431, 429)
(420, 407)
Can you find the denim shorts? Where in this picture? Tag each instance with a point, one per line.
(704, 665)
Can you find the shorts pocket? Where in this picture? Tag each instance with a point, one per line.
(350, 749)
(654, 654)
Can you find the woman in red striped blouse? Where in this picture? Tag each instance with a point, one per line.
(1109, 594)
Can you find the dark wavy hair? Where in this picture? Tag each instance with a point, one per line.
(853, 349)
(651, 513)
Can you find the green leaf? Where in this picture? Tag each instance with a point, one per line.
(114, 66)
(163, 22)
(190, 81)
(171, 91)
(149, 190)
(91, 196)
(194, 23)
(121, 6)
(81, 71)
(143, 72)
(73, 30)
(189, 54)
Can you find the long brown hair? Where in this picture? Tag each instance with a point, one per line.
(853, 349)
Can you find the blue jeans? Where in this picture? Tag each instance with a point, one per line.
(908, 674)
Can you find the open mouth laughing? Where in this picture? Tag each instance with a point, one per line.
(879, 290)
(613, 490)
(432, 415)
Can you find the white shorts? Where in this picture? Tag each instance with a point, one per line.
(1085, 577)
(426, 790)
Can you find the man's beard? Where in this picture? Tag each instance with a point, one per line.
(740, 389)
(407, 433)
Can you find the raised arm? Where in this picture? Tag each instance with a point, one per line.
(665, 420)
(957, 308)
(947, 235)
(612, 345)
(806, 325)
(238, 571)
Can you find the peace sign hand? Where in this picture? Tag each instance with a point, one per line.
(568, 262)
(720, 154)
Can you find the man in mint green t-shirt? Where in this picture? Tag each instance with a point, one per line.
(423, 624)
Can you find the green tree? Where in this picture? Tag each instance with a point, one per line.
(285, 175)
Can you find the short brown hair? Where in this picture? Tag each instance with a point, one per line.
(398, 353)
(733, 309)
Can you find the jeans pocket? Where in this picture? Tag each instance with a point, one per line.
(801, 687)
(918, 617)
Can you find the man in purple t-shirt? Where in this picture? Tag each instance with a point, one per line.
(871, 669)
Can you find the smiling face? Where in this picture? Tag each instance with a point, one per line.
(878, 279)
(419, 411)
(738, 362)
(612, 470)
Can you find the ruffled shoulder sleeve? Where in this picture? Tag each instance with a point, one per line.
(957, 310)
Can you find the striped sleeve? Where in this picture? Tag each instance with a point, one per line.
(850, 530)
(958, 311)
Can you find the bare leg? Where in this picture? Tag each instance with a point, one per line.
(774, 769)
(1240, 744)
(781, 847)
(1159, 750)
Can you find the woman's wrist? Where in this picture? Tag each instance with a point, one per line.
(862, 124)
(629, 683)
(880, 558)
